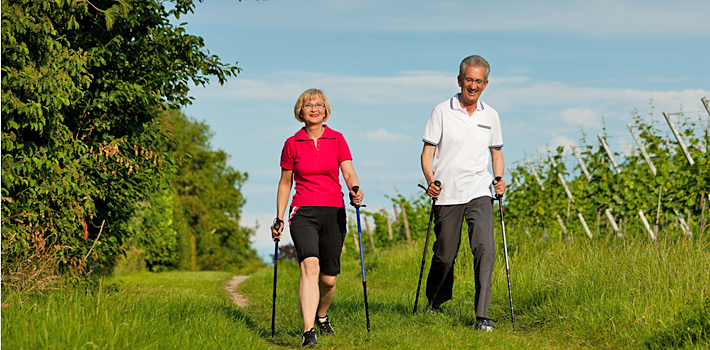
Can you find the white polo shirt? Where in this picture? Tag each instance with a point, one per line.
(462, 153)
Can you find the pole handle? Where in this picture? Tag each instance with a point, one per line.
(355, 189)
(277, 225)
(497, 180)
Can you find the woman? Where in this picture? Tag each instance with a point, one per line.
(313, 158)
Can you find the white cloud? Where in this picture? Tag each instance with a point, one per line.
(408, 87)
(581, 116)
(425, 86)
(561, 141)
(384, 135)
(593, 18)
(551, 93)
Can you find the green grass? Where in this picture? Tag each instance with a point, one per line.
(598, 294)
(176, 310)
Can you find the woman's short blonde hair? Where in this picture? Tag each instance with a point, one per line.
(309, 95)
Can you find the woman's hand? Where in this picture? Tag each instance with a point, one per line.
(276, 228)
(356, 198)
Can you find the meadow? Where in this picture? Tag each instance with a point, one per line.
(604, 293)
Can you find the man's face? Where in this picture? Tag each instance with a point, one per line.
(472, 83)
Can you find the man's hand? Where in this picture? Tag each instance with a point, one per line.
(499, 185)
(433, 190)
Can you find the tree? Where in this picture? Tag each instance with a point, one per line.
(208, 201)
(84, 87)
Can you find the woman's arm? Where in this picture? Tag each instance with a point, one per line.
(284, 192)
(346, 167)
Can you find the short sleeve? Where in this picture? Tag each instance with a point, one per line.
(288, 155)
(343, 150)
(433, 130)
(497, 134)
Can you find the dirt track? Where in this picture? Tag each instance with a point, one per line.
(232, 286)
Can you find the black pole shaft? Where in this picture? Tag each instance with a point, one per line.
(277, 226)
(426, 247)
(362, 267)
(362, 258)
(273, 302)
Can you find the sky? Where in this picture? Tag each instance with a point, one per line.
(558, 68)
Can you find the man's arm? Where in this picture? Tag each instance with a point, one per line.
(428, 170)
(498, 168)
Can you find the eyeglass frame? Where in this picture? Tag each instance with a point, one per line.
(476, 81)
(312, 106)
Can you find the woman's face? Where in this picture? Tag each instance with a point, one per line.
(313, 111)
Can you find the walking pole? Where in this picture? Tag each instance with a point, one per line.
(426, 245)
(499, 197)
(277, 226)
(362, 258)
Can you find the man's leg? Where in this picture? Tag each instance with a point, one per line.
(447, 228)
(479, 217)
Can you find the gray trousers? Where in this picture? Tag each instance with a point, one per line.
(448, 223)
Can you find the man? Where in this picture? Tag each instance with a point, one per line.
(460, 135)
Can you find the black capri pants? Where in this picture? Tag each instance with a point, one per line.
(319, 232)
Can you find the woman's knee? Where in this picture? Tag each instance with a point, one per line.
(310, 267)
(328, 281)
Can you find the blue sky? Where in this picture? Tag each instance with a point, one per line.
(557, 67)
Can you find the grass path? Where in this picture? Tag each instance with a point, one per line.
(232, 286)
(173, 310)
(586, 295)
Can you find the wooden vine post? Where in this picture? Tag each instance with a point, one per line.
(515, 179)
(581, 163)
(608, 153)
(369, 234)
(396, 219)
(536, 177)
(653, 170)
(705, 102)
(678, 138)
(609, 216)
(357, 244)
(406, 224)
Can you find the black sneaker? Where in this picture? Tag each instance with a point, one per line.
(324, 327)
(433, 308)
(484, 324)
(309, 338)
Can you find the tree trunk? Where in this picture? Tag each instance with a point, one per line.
(357, 245)
(406, 224)
(369, 234)
(702, 215)
(389, 225)
(396, 219)
(193, 253)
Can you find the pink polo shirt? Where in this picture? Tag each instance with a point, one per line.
(316, 170)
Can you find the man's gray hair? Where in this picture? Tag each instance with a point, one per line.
(474, 61)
